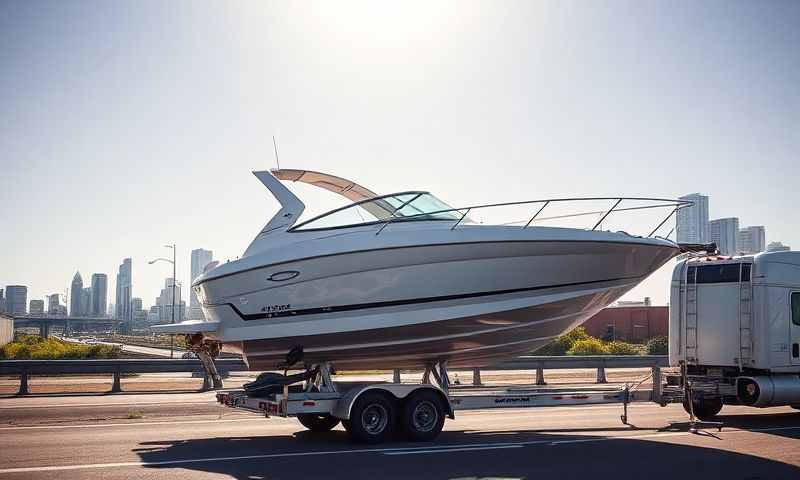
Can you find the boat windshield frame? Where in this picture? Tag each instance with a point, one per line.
(424, 216)
(674, 205)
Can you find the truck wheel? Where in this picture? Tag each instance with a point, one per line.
(318, 422)
(704, 409)
(372, 418)
(422, 417)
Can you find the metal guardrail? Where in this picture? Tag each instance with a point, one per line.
(24, 368)
(600, 362)
(116, 367)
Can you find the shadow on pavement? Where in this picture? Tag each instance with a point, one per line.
(332, 455)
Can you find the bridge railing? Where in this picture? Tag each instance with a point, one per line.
(24, 368)
(115, 367)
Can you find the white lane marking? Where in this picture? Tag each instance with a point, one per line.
(410, 450)
(131, 424)
(115, 404)
(447, 450)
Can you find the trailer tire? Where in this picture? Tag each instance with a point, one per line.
(372, 418)
(704, 409)
(423, 415)
(318, 422)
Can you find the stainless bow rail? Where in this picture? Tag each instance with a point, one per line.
(675, 205)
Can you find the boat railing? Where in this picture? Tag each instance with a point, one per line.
(672, 204)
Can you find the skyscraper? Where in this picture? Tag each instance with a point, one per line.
(725, 233)
(692, 222)
(36, 307)
(124, 289)
(53, 304)
(75, 296)
(86, 301)
(16, 299)
(164, 302)
(99, 294)
(200, 258)
(752, 239)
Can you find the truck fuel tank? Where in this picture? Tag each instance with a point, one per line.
(769, 391)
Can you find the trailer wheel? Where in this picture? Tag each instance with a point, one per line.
(372, 418)
(704, 409)
(318, 422)
(422, 417)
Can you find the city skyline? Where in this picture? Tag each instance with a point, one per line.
(152, 141)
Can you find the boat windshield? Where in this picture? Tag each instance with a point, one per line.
(405, 206)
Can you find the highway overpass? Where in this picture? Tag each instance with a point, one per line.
(67, 324)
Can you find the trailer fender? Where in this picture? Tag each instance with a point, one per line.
(399, 391)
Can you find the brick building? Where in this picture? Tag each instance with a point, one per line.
(632, 324)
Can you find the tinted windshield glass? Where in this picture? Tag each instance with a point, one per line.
(405, 206)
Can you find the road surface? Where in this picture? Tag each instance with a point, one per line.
(185, 436)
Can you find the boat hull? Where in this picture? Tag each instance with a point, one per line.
(470, 303)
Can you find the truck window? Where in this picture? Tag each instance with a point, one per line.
(796, 308)
(720, 273)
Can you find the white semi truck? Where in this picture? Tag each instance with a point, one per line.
(734, 330)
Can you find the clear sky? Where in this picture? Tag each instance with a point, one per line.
(128, 125)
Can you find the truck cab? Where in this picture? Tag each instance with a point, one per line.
(735, 328)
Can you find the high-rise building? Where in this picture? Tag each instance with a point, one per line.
(75, 296)
(53, 304)
(86, 301)
(778, 247)
(752, 239)
(99, 294)
(164, 302)
(2, 301)
(124, 290)
(200, 258)
(692, 222)
(16, 299)
(136, 304)
(725, 233)
(36, 307)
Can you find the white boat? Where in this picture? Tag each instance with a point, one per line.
(404, 280)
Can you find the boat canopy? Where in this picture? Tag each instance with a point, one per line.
(346, 188)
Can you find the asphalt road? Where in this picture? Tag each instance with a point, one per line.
(185, 436)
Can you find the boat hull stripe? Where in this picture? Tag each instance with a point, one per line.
(411, 301)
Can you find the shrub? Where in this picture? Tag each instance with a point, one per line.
(27, 347)
(658, 345)
(562, 344)
(588, 346)
(622, 348)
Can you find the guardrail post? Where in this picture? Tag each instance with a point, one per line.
(656, 384)
(540, 375)
(115, 386)
(396, 375)
(476, 377)
(601, 373)
(23, 384)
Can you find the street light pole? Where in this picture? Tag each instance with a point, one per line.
(174, 281)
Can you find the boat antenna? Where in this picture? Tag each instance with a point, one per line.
(277, 160)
